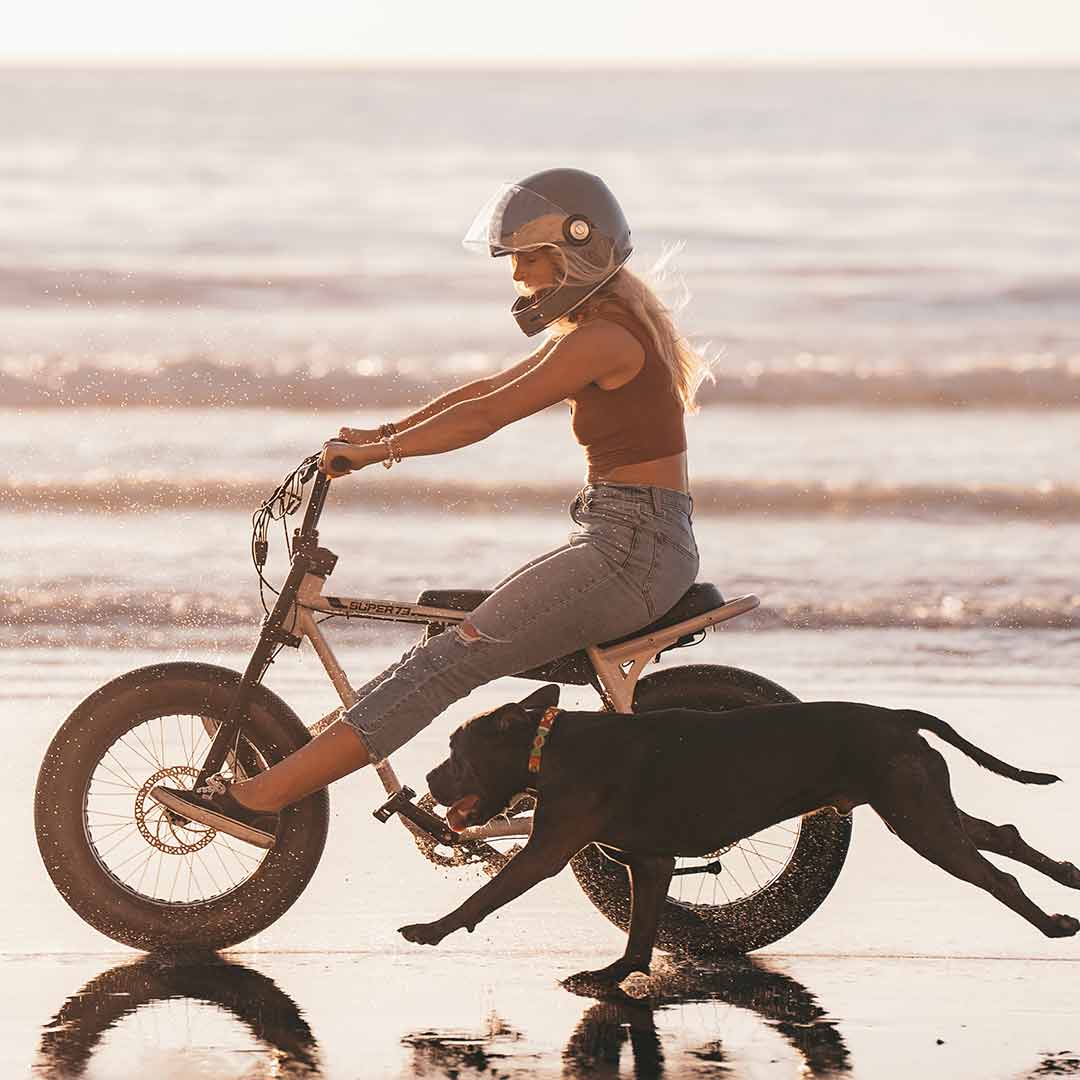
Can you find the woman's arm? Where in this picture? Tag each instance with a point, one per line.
(467, 392)
(590, 353)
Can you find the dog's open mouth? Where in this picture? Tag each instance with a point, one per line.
(461, 815)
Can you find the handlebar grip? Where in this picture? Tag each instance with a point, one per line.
(341, 464)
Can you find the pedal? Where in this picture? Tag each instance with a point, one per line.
(392, 805)
(401, 803)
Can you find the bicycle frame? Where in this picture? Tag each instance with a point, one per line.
(301, 599)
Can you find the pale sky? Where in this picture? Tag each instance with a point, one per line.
(498, 31)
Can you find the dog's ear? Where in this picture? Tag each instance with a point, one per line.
(544, 698)
(506, 716)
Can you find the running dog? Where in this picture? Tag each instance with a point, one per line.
(683, 782)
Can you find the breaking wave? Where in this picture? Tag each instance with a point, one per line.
(139, 493)
(302, 382)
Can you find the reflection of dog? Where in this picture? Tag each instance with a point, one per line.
(777, 1000)
(682, 782)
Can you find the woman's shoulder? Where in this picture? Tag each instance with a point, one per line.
(605, 328)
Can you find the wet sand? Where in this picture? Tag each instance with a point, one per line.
(899, 957)
(489, 1013)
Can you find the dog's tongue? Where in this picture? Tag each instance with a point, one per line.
(458, 814)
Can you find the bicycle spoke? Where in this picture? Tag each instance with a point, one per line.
(119, 782)
(742, 852)
(183, 744)
(209, 872)
(761, 867)
(153, 760)
(111, 830)
(771, 843)
(146, 866)
(176, 878)
(734, 878)
(135, 845)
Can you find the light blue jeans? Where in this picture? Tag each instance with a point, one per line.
(630, 559)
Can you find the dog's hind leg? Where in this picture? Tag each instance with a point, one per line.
(1006, 840)
(914, 800)
(650, 876)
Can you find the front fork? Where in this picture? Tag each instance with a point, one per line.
(308, 558)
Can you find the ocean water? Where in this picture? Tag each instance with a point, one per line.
(263, 237)
(205, 274)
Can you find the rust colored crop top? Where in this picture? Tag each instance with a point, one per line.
(638, 421)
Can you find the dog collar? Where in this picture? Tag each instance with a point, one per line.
(542, 731)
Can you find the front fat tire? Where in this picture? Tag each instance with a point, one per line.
(96, 895)
(756, 920)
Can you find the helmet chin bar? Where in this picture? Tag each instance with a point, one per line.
(530, 292)
(536, 313)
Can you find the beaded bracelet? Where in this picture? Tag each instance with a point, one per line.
(387, 430)
(393, 452)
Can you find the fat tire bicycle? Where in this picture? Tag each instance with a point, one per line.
(148, 878)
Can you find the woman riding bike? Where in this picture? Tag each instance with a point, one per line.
(614, 354)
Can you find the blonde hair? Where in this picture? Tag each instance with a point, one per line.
(637, 295)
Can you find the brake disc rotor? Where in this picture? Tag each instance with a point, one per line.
(165, 834)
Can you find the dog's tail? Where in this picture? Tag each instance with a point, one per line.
(926, 722)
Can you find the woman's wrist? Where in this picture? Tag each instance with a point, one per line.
(359, 436)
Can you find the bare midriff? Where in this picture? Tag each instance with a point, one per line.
(668, 472)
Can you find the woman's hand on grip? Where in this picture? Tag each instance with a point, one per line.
(336, 453)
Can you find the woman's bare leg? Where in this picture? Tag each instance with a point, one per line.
(335, 753)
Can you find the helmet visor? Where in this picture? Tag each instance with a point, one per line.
(515, 219)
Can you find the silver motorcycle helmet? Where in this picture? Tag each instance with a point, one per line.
(571, 212)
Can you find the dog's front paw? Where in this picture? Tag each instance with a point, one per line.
(612, 974)
(1062, 926)
(424, 933)
(1068, 875)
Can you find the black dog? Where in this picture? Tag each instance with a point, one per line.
(683, 782)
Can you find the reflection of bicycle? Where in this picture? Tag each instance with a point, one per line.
(148, 878)
(151, 985)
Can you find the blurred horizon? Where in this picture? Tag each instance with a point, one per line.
(960, 32)
(487, 65)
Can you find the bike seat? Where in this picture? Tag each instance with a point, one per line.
(698, 599)
(453, 599)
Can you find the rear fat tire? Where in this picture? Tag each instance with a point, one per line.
(99, 898)
(762, 917)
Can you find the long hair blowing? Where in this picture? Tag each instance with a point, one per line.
(637, 295)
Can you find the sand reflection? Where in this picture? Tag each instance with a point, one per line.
(244, 1017)
(619, 1034)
